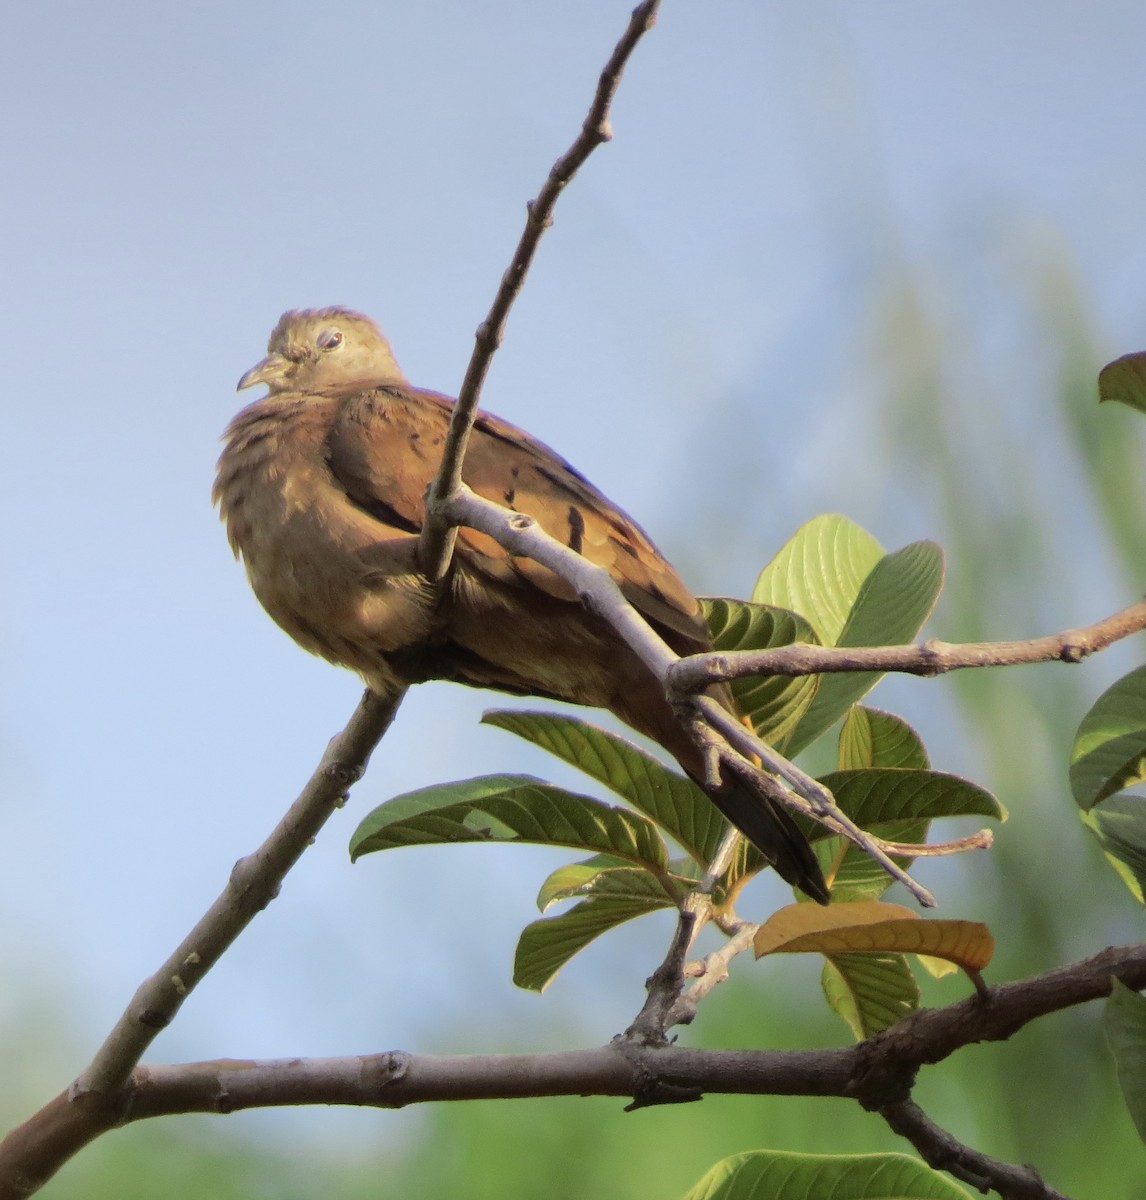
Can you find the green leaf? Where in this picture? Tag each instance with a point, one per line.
(1125, 1023)
(674, 802)
(818, 573)
(1124, 380)
(1119, 824)
(779, 1175)
(601, 875)
(869, 992)
(774, 704)
(1109, 752)
(509, 808)
(545, 946)
(870, 737)
(899, 805)
(855, 875)
(882, 794)
(889, 609)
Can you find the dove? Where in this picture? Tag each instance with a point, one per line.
(321, 486)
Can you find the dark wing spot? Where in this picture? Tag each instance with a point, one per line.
(510, 495)
(515, 438)
(627, 547)
(576, 528)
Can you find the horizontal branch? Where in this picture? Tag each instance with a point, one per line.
(395, 1079)
(698, 671)
(878, 1073)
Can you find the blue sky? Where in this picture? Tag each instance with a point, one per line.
(177, 175)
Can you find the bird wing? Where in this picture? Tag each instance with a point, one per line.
(384, 450)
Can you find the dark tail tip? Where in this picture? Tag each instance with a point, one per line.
(772, 831)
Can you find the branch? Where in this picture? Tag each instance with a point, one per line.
(711, 971)
(879, 1073)
(718, 731)
(30, 1154)
(664, 1005)
(934, 657)
(944, 1152)
(436, 546)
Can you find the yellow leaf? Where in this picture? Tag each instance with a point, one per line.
(871, 926)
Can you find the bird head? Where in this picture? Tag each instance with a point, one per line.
(324, 350)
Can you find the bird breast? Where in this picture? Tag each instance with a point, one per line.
(339, 583)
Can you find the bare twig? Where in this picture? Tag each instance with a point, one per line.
(710, 971)
(32, 1153)
(437, 541)
(982, 839)
(664, 985)
(720, 730)
(934, 657)
(816, 800)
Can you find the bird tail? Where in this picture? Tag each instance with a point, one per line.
(760, 817)
(771, 829)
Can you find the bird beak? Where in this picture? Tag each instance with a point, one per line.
(269, 371)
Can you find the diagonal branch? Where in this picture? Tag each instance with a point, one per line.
(253, 884)
(437, 541)
(944, 1152)
(715, 730)
(33, 1152)
(934, 657)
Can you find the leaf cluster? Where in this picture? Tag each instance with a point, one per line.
(830, 584)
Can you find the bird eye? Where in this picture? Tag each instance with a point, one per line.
(329, 339)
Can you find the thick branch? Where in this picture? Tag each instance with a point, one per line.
(879, 1073)
(30, 1154)
(437, 541)
(699, 671)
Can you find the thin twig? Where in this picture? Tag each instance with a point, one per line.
(664, 985)
(709, 972)
(816, 801)
(934, 657)
(437, 540)
(720, 730)
(982, 839)
(661, 1009)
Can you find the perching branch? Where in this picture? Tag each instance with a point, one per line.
(933, 657)
(718, 732)
(436, 546)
